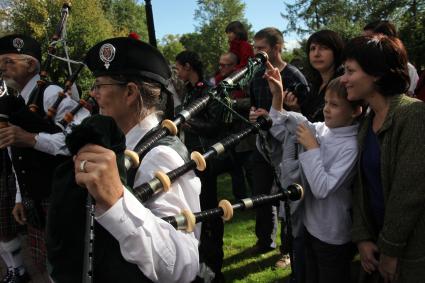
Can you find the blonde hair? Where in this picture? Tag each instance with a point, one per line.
(337, 87)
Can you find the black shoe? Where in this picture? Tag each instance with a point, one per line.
(260, 249)
(9, 275)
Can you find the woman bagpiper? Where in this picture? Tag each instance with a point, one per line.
(132, 243)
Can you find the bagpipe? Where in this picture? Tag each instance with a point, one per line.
(162, 181)
(103, 131)
(237, 80)
(44, 73)
(187, 220)
(59, 36)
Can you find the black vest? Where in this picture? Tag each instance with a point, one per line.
(65, 244)
(34, 169)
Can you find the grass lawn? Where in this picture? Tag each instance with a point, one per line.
(239, 235)
(240, 265)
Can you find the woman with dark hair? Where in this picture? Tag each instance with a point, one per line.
(200, 132)
(389, 193)
(238, 41)
(324, 49)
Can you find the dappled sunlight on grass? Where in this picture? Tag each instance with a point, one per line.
(240, 263)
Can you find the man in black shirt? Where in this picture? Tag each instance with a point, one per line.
(270, 40)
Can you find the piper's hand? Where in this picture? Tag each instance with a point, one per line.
(367, 251)
(388, 268)
(16, 136)
(255, 113)
(306, 137)
(18, 213)
(96, 169)
(291, 101)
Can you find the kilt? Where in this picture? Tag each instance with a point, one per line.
(8, 225)
(36, 241)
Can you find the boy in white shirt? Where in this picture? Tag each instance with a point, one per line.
(327, 169)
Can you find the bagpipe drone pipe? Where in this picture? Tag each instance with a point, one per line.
(69, 232)
(187, 220)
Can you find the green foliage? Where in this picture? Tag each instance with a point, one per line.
(240, 263)
(349, 17)
(88, 23)
(170, 46)
(126, 16)
(412, 32)
(210, 40)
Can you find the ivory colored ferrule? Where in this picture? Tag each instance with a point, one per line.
(131, 159)
(181, 222)
(247, 203)
(170, 126)
(164, 179)
(155, 184)
(218, 147)
(190, 220)
(185, 114)
(199, 160)
(227, 209)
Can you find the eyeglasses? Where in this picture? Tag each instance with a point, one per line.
(11, 61)
(96, 87)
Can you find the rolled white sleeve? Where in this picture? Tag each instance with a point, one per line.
(324, 181)
(53, 144)
(285, 121)
(18, 197)
(162, 253)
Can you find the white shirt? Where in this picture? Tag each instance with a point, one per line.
(414, 78)
(329, 171)
(162, 253)
(51, 143)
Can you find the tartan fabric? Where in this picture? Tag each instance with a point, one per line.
(36, 242)
(8, 225)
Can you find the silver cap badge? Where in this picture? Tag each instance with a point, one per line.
(18, 43)
(107, 54)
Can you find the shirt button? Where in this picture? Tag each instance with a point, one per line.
(122, 219)
(23, 172)
(19, 157)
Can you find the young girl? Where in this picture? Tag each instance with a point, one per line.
(238, 41)
(326, 164)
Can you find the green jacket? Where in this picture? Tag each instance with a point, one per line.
(402, 143)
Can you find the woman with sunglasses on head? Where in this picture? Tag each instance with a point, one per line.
(389, 194)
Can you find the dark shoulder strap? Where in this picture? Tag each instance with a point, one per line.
(171, 141)
(37, 97)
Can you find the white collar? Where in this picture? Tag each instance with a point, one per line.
(26, 91)
(346, 131)
(140, 129)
